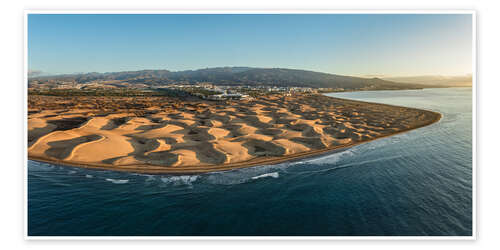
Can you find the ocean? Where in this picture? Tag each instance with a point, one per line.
(417, 183)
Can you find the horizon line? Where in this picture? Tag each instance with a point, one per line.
(470, 74)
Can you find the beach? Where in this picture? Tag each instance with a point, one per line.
(416, 183)
(158, 135)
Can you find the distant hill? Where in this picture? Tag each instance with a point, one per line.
(449, 81)
(237, 76)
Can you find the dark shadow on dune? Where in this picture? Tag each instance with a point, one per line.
(116, 122)
(62, 149)
(198, 134)
(314, 143)
(37, 133)
(160, 158)
(68, 123)
(206, 153)
(263, 148)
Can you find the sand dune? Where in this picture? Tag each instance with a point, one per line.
(173, 136)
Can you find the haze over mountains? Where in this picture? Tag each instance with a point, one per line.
(236, 76)
(449, 81)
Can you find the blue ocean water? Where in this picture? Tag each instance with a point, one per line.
(412, 184)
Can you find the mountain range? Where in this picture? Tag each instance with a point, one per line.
(235, 76)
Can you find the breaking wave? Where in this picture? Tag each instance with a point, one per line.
(329, 158)
(273, 174)
(178, 180)
(115, 181)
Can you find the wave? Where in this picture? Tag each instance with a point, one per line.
(241, 176)
(39, 166)
(353, 164)
(89, 176)
(273, 174)
(329, 159)
(150, 178)
(178, 180)
(116, 181)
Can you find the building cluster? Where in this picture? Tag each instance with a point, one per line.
(236, 92)
(204, 90)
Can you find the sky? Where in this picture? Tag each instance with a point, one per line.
(385, 45)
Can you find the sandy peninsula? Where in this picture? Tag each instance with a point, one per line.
(167, 135)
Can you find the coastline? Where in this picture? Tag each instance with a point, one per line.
(183, 170)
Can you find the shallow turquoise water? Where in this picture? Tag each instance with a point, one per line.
(416, 183)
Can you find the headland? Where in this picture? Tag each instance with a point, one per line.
(169, 135)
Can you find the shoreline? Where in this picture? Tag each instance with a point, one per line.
(191, 170)
(368, 90)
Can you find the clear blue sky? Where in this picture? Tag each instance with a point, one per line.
(361, 44)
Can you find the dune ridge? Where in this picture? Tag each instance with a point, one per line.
(167, 135)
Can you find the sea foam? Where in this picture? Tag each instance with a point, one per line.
(115, 181)
(330, 158)
(179, 180)
(273, 174)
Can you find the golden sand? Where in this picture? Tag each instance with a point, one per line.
(165, 135)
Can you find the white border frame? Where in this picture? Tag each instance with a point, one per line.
(438, 238)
